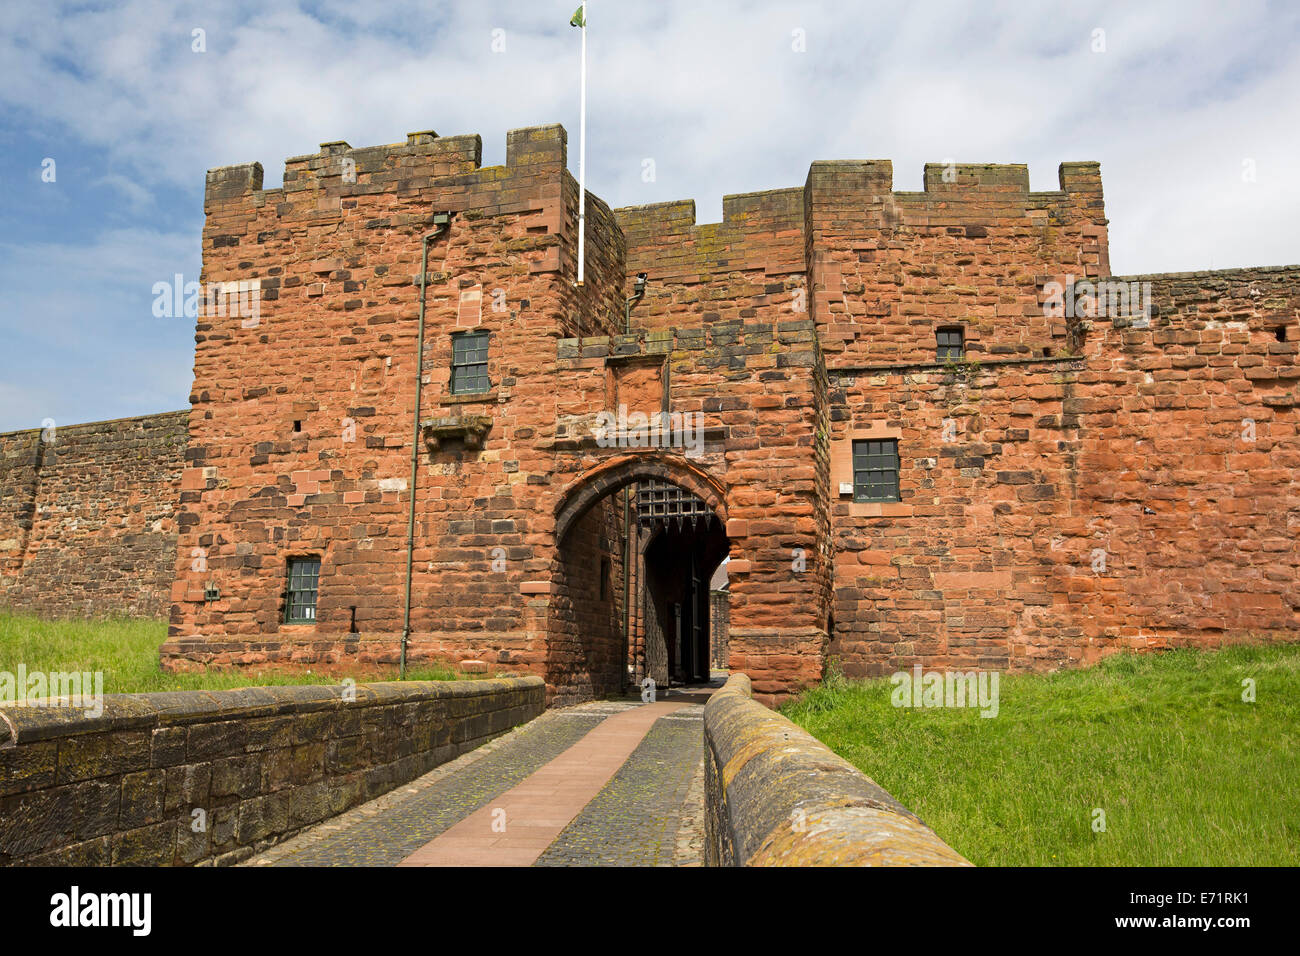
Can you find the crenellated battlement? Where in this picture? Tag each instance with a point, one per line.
(867, 186)
(960, 177)
(845, 247)
(847, 230)
(767, 209)
(754, 257)
(943, 182)
(338, 168)
(423, 154)
(232, 182)
(994, 190)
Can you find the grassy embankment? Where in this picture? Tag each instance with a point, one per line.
(126, 652)
(1186, 772)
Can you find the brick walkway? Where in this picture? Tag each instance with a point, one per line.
(606, 783)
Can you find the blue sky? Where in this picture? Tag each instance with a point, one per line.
(1183, 103)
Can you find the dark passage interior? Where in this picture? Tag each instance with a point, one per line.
(610, 630)
(680, 543)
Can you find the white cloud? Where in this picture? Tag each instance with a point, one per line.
(136, 195)
(715, 94)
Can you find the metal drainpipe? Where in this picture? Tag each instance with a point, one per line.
(628, 302)
(441, 224)
(627, 579)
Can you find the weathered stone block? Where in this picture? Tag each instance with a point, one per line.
(143, 797)
(102, 755)
(153, 845)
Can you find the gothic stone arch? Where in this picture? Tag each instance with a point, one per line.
(586, 646)
(608, 477)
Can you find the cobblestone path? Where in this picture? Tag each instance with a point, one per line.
(634, 821)
(630, 795)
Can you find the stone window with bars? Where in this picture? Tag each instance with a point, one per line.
(469, 363)
(952, 345)
(304, 586)
(875, 470)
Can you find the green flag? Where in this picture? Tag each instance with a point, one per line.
(577, 19)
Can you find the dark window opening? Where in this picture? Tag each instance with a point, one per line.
(304, 585)
(297, 427)
(1280, 333)
(875, 470)
(951, 344)
(604, 577)
(469, 356)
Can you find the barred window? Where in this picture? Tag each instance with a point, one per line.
(952, 345)
(469, 356)
(304, 584)
(875, 470)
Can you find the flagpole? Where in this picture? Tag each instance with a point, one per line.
(582, 155)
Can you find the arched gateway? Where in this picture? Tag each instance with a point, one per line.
(637, 540)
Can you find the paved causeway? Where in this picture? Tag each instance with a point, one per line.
(609, 783)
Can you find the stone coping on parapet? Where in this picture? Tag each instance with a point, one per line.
(777, 796)
(27, 723)
(1238, 271)
(773, 208)
(81, 426)
(126, 786)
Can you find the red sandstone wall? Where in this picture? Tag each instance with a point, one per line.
(1194, 419)
(88, 522)
(1135, 450)
(586, 650)
(21, 454)
(748, 268)
(336, 342)
(887, 269)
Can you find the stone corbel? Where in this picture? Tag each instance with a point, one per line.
(471, 429)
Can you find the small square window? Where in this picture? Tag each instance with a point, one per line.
(952, 345)
(304, 585)
(875, 470)
(469, 363)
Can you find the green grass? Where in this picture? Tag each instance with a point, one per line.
(1187, 773)
(126, 651)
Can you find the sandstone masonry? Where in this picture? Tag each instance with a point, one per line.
(193, 777)
(1072, 476)
(777, 796)
(88, 516)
